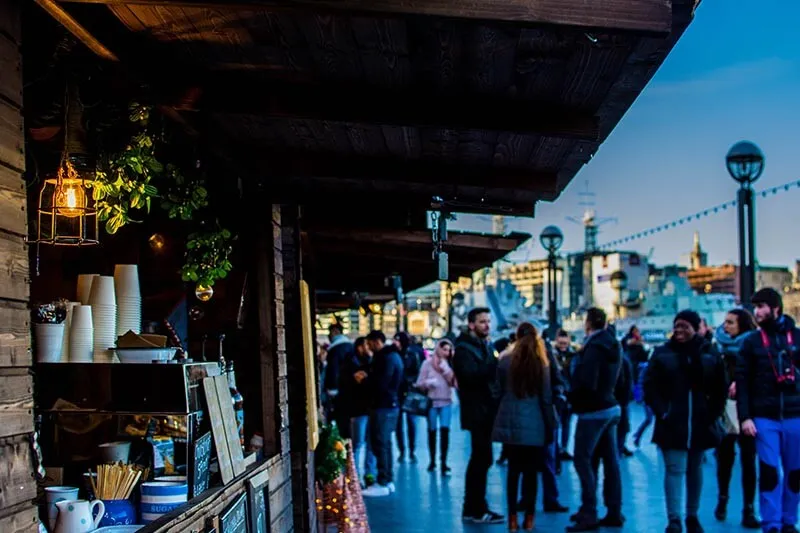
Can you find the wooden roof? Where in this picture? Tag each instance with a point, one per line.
(489, 105)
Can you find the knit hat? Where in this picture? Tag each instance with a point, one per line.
(768, 296)
(689, 316)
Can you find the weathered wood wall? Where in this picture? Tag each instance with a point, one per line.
(17, 482)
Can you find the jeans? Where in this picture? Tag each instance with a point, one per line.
(523, 464)
(778, 449)
(362, 447)
(381, 424)
(439, 417)
(682, 467)
(549, 483)
(411, 421)
(649, 418)
(726, 456)
(597, 433)
(624, 427)
(566, 418)
(480, 460)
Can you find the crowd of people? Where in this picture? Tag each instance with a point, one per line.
(703, 390)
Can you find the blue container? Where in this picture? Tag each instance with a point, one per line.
(162, 497)
(118, 513)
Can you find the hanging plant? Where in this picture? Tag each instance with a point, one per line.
(123, 185)
(207, 257)
(184, 197)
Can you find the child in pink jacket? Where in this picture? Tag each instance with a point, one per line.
(437, 380)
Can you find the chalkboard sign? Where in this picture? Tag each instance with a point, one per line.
(234, 519)
(257, 492)
(201, 457)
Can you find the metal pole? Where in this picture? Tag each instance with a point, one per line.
(744, 276)
(551, 283)
(751, 243)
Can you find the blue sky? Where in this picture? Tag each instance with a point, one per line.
(734, 75)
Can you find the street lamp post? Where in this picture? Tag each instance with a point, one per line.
(745, 163)
(619, 282)
(552, 239)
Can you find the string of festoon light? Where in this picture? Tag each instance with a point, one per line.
(695, 216)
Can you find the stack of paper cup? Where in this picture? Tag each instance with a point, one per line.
(104, 318)
(67, 328)
(85, 287)
(49, 339)
(81, 335)
(129, 299)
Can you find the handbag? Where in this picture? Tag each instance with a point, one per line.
(416, 403)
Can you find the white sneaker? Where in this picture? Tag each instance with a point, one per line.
(391, 487)
(375, 491)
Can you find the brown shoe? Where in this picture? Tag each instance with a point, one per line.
(527, 525)
(513, 522)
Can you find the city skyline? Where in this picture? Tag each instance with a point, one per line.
(734, 75)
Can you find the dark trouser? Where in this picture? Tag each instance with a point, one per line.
(523, 464)
(726, 456)
(549, 483)
(649, 418)
(566, 417)
(381, 424)
(598, 435)
(624, 427)
(412, 433)
(480, 460)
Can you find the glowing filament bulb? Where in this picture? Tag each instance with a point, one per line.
(70, 199)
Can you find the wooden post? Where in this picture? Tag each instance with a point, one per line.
(17, 478)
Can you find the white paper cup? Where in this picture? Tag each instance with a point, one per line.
(103, 291)
(67, 331)
(126, 280)
(85, 287)
(49, 340)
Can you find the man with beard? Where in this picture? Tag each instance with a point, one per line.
(768, 403)
(475, 366)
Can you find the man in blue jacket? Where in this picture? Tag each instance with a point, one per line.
(768, 404)
(384, 379)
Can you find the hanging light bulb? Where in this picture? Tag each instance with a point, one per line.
(203, 293)
(70, 195)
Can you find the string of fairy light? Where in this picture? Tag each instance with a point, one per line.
(695, 216)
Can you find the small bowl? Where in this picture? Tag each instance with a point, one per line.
(114, 452)
(144, 355)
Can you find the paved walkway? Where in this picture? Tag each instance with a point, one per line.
(428, 503)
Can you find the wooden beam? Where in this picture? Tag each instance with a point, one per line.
(455, 240)
(245, 94)
(306, 164)
(649, 16)
(76, 29)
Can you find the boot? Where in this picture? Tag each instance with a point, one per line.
(432, 450)
(749, 519)
(527, 525)
(444, 438)
(721, 512)
(513, 522)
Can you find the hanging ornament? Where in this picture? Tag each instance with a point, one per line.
(157, 242)
(203, 293)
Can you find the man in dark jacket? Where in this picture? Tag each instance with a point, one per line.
(340, 349)
(385, 377)
(768, 403)
(594, 377)
(475, 366)
(355, 398)
(412, 358)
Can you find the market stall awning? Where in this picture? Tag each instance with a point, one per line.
(353, 266)
(491, 106)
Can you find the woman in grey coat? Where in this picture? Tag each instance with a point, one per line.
(525, 420)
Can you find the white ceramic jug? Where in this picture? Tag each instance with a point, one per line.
(75, 516)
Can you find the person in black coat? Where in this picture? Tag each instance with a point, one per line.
(412, 358)
(686, 386)
(340, 349)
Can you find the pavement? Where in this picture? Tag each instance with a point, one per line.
(429, 503)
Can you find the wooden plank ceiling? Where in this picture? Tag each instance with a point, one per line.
(492, 106)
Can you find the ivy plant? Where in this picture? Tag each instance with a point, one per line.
(184, 196)
(123, 185)
(208, 256)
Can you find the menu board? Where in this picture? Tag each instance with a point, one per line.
(234, 519)
(259, 503)
(201, 458)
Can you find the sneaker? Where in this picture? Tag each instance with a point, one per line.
(749, 518)
(489, 517)
(431, 467)
(693, 525)
(391, 487)
(674, 526)
(376, 491)
(446, 470)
